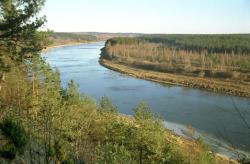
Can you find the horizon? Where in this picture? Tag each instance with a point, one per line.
(100, 32)
(147, 17)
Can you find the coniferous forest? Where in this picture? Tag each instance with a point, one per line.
(41, 122)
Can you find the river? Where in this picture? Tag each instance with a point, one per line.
(214, 116)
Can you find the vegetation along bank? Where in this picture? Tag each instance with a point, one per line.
(218, 63)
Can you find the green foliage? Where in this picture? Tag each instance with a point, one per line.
(72, 94)
(124, 40)
(143, 112)
(15, 133)
(113, 154)
(18, 25)
(149, 138)
(206, 156)
(107, 105)
(16, 136)
(9, 151)
(70, 161)
(50, 151)
(245, 161)
(237, 43)
(59, 152)
(73, 36)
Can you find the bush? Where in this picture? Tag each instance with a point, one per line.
(9, 151)
(107, 105)
(16, 136)
(245, 161)
(113, 153)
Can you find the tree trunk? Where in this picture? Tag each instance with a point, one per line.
(2, 79)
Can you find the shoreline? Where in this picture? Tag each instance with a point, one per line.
(212, 85)
(182, 141)
(50, 47)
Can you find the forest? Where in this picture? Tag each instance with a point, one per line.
(212, 43)
(73, 36)
(55, 39)
(41, 122)
(210, 57)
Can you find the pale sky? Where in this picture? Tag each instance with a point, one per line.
(148, 16)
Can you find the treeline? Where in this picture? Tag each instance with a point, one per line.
(217, 56)
(73, 36)
(41, 122)
(228, 43)
(64, 38)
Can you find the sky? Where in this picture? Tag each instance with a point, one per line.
(148, 16)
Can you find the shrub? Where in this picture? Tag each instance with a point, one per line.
(113, 153)
(16, 136)
(9, 151)
(107, 105)
(245, 161)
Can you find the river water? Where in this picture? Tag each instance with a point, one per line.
(215, 117)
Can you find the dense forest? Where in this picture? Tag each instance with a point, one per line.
(213, 43)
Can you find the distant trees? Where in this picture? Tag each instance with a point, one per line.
(218, 56)
(73, 36)
(235, 43)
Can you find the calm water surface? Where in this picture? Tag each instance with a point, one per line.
(212, 115)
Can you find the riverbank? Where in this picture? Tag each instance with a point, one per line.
(181, 140)
(53, 46)
(209, 84)
(190, 146)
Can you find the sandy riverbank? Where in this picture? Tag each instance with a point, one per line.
(60, 45)
(209, 84)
